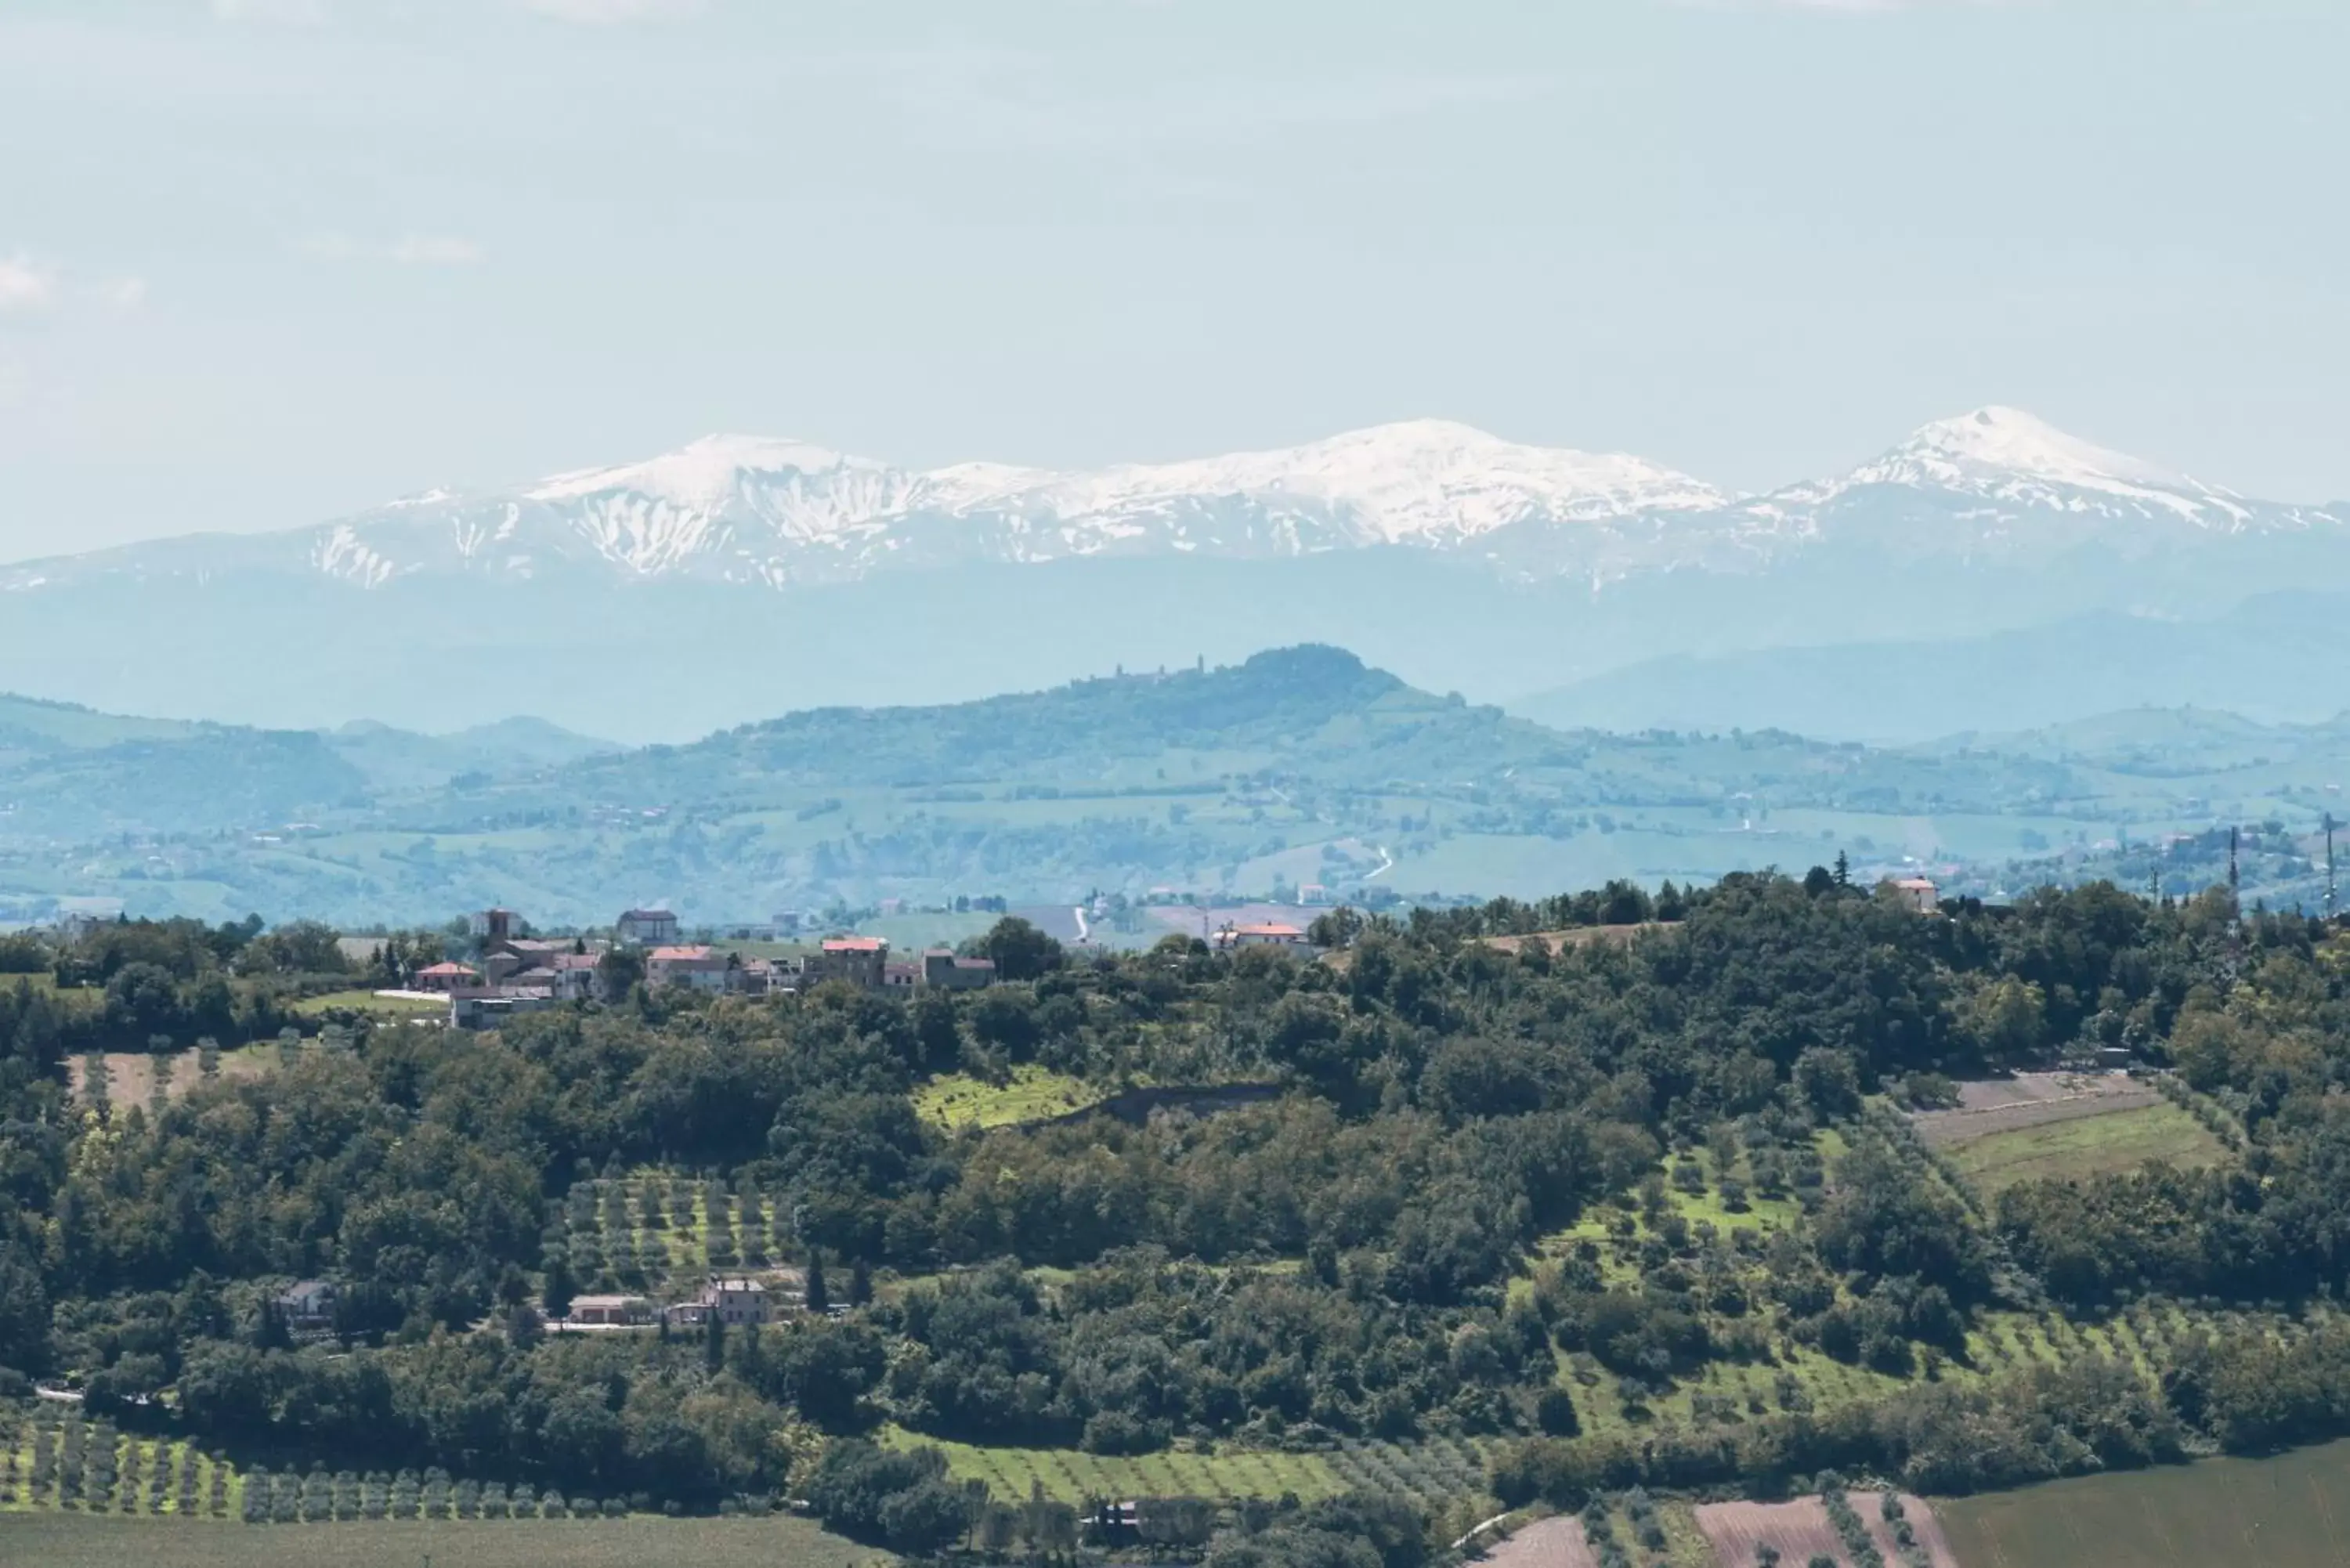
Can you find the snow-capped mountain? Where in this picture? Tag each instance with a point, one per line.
(740, 508)
(737, 575)
(784, 513)
(1999, 481)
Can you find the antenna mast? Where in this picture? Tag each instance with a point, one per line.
(2329, 865)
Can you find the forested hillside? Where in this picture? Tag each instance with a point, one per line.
(1661, 1198)
(1298, 766)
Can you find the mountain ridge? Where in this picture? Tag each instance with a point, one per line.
(779, 512)
(662, 599)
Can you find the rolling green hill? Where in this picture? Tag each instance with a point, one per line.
(1298, 766)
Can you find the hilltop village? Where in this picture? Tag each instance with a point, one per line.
(508, 970)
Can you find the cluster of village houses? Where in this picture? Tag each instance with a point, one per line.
(307, 1309)
(518, 973)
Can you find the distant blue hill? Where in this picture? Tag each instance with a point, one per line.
(2278, 657)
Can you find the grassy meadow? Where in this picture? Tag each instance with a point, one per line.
(367, 1002)
(2089, 1146)
(1072, 1475)
(955, 1100)
(2291, 1511)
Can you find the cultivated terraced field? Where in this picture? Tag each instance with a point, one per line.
(53, 1461)
(1800, 1531)
(1553, 1542)
(1702, 1199)
(638, 1232)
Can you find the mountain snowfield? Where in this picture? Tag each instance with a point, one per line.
(779, 513)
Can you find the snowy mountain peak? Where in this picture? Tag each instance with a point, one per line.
(1424, 480)
(2017, 442)
(2017, 460)
(702, 473)
(787, 514)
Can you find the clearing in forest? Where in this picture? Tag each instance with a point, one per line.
(1577, 937)
(2029, 1100)
(395, 1008)
(131, 1075)
(2085, 1146)
(1033, 1094)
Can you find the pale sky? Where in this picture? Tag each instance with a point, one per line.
(267, 261)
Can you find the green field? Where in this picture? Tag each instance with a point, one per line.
(2088, 1146)
(933, 928)
(369, 1001)
(1072, 1475)
(2290, 1511)
(1034, 1094)
(80, 1540)
(1437, 1473)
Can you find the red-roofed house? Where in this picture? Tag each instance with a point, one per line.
(446, 976)
(698, 968)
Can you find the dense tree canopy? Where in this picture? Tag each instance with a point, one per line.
(1331, 1254)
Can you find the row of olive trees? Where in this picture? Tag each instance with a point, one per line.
(321, 1498)
(89, 1466)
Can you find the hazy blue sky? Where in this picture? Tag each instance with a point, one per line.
(262, 261)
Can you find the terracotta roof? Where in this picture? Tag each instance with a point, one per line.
(1270, 931)
(577, 960)
(448, 968)
(677, 955)
(854, 944)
